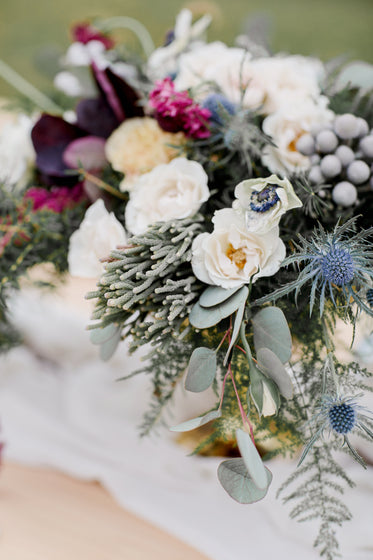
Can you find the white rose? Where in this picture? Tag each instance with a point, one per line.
(170, 191)
(200, 65)
(231, 255)
(98, 234)
(16, 151)
(79, 54)
(264, 201)
(286, 126)
(275, 79)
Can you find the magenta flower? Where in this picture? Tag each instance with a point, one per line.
(176, 111)
(57, 199)
(84, 32)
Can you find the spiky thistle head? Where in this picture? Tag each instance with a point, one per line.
(340, 415)
(337, 265)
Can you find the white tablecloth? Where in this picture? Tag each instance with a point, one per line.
(61, 407)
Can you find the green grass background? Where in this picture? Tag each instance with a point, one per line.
(325, 28)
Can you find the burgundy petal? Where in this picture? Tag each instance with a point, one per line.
(87, 152)
(96, 117)
(121, 97)
(50, 130)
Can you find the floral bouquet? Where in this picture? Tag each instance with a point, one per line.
(223, 197)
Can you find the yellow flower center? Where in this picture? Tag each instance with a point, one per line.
(237, 256)
(293, 143)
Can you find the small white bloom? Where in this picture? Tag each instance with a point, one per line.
(98, 234)
(264, 201)
(79, 54)
(231, 255)
(164, 60)
(286, 126)
(170, 191)
(16, 150)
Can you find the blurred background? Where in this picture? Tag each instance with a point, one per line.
(32, 31)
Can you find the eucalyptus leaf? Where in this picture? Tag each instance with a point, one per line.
(214, 295)
(357, 74)
(272, 331)
(252, 459)
(206, 317)
(236, 481)
(196, 422)
(201, 370)
(101, 335)
(237, 321)
(108, 347)
(272, 366)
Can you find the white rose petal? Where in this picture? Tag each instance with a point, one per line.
(16, 150)
(267, 82)
(99, 233)
(170, 191)
(286, 126)
(231, 255)
(263, 221)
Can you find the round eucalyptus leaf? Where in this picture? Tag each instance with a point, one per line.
(196, 422)
(357, 74)
(252, 459)
(236, 481)
(108, 347)
(100, 335)
(201, 370)
(206, 317)
(272, 331)
(214, 295)
(272, 366)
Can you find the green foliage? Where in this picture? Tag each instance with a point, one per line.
(149, 287)
(28, 238)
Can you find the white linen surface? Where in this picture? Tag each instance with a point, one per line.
(61, 407)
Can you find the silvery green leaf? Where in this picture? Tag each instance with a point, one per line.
(100, 335)
(214, 295)
(236, 481)
(201, 370)
(357, 74)
(256, 388)
(237, 321)
(252, 459)
(108, 347)
(196, 422)
(272, 366)
(272, 331)
(205, 317)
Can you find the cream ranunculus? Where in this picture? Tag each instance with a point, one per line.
(138, 145)
(286, 126)
(231, 255)
(170, 191)
(98, 234)
(264, 201)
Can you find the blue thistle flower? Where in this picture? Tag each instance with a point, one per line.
(337, 263)
(340, 415)
(370, 297)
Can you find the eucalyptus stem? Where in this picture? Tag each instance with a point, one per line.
(25, 88)
(133, 25)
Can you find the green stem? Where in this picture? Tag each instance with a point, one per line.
(28, 90)
(133, 25)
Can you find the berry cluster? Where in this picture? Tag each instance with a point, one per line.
(341, 154)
